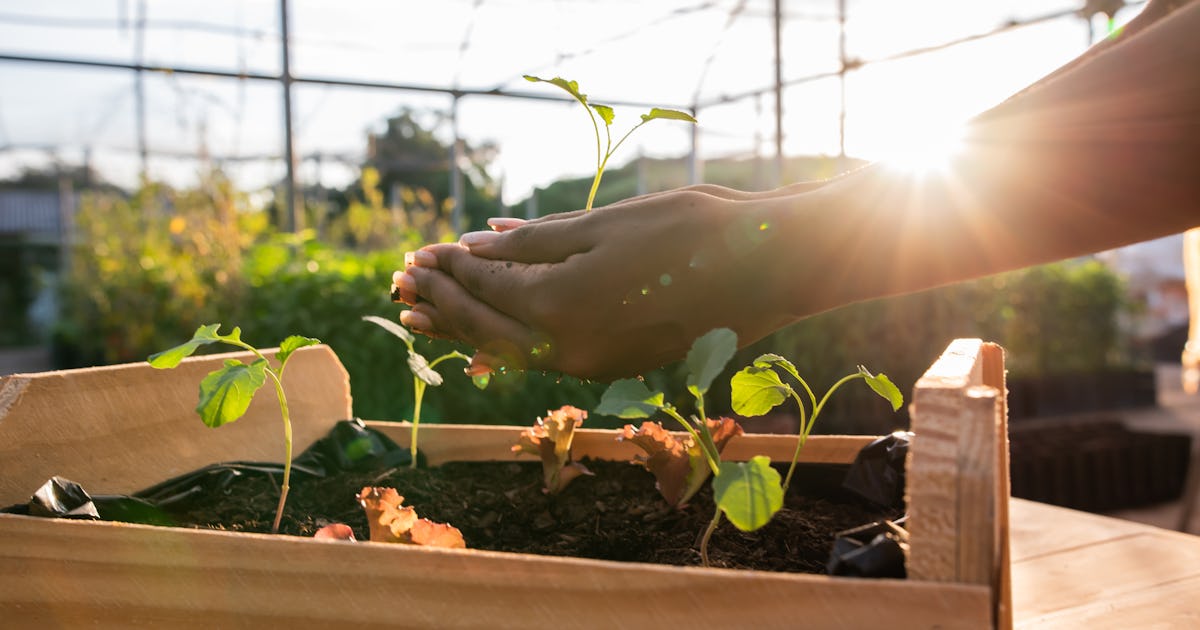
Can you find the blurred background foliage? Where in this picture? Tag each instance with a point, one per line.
(154, 265)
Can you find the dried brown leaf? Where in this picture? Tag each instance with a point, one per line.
(335, 531)
(390, 521)
(550, 439)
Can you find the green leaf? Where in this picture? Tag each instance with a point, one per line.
(749, 493)
(421, 369)
(392, 327)
(668, 114)
(883, 386)
(755, 390)
(606, 113)
(572, 87)
(203, 336)
(292, 344)
(226, 393)
(629, 398)
(708, 357)
(774, 360)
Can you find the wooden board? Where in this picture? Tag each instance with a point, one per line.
(117, 575)
(957, 485)
(119, 429)
(128, 576)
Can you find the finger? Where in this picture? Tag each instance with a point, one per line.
(541, 241)
(504, 285)
(448, 310)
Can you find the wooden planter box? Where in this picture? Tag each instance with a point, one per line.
(118, 429)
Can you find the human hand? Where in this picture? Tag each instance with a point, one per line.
(607, 293)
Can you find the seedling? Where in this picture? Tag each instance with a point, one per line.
(550, 439)
(605, 149)
(392, 522)
(746, 500)
(757, 389)
(423, 373)
(225, 394)
(748, 493)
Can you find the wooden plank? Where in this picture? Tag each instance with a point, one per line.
(1106, 573)
(71, 574)
(464, 442)
(118, 429)
(957, 484)
(1169, 605)
(1039, 529)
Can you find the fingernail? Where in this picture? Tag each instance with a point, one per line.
(418, 322)
(481, 364)
(405, 282)
(420, 258)
(472, 239)
(504, 223)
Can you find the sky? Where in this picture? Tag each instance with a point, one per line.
(669, 53)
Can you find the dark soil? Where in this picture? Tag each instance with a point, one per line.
(615, 515)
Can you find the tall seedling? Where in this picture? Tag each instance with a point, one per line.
(225, 394)
(605, 148)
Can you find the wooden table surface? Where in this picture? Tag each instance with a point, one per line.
(1073, 569)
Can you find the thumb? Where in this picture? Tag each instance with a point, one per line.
(532, 242)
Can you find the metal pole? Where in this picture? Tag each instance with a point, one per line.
(778, 25)
(841, 9)
(139, 88)
(695, 166)
(288, 216)
(456, 179)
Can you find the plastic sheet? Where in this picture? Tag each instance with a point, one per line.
(350, 445)
(875, 550)
(877, 473)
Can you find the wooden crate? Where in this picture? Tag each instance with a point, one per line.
(118, 429)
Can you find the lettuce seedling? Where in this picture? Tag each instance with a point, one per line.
(758, 389)
(679, 466)
(225, 394)
(391, 522)
(423, 372)
(550, 439)
(630, 398)
(605, 149)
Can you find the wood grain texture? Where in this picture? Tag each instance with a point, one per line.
(74, 574)
(463, 442)
(957, 483)
(118, 429)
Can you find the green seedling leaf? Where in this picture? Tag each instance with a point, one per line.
(292, 344)
(629, 398)
(226, 393)
(392, 327)
(203, 336)
(749, 493)
(883, 386)
(755, 390)
(571, 87)
(606, 113)
(774, 360)
(708, 357)
(421, 369)
(669, 114)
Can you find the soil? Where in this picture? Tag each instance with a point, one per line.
(617, 514)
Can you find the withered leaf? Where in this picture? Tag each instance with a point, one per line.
(550, 439)
(389, 521)
(335, 531)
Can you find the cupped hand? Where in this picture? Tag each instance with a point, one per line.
(607, 293)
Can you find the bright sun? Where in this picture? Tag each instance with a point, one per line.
(922, 148)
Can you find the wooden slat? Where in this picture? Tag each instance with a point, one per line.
(957, 484)
(458, 442)
(118, 429)
(72, 574)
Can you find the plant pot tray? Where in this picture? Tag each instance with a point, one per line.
(118, 429)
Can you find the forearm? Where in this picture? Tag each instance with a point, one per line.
(1102, 155)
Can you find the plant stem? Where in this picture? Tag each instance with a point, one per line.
(287, 446)
(710, 449)
(806, 429)
(418, 394)
(712, 527)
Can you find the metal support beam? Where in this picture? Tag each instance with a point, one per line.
(777, 23)
(289, 216)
